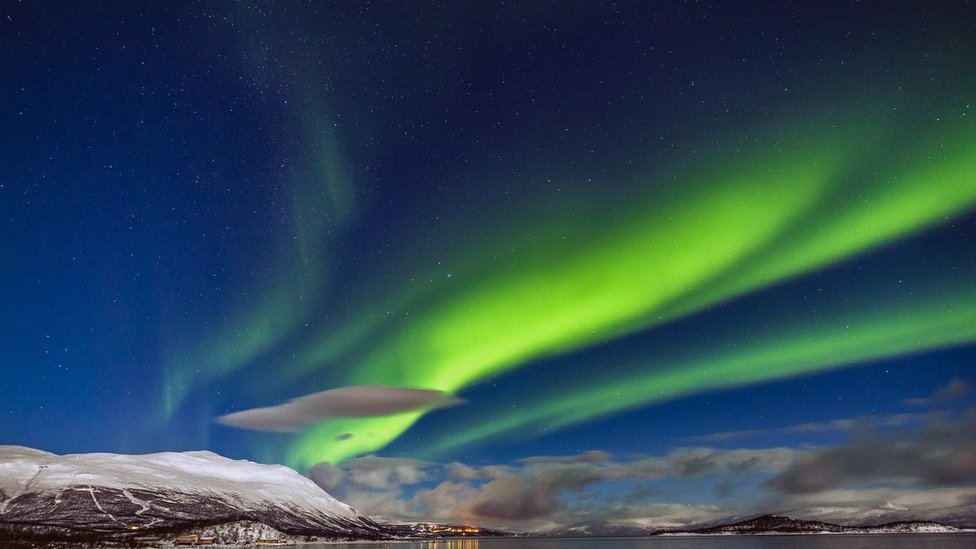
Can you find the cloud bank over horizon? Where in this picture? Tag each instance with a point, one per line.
(928, 470)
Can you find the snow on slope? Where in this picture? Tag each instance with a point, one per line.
(192, 472)
(18, 465)
(116, 492)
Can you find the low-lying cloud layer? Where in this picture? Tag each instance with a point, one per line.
(940, 454)
(358, 401)
(929, 472)
(537, 492)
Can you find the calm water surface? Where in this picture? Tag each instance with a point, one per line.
(876, 541)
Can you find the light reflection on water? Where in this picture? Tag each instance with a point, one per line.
(454, 544)
(470, 543)
(853, 541)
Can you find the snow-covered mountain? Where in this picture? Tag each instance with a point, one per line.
(87, 496)
(774, 524)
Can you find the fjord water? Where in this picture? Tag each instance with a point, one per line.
(826, 541)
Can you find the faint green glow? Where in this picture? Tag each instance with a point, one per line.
(743, 222)
(322, 206)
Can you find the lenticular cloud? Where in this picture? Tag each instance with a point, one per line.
(357, 401)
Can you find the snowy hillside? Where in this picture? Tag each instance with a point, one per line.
(775, 524)
(761, 525)
(91, 494)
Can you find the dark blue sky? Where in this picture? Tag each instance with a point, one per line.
(718, 245)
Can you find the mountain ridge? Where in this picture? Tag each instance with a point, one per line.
(94, 496)
(759, 525)
(781, 524)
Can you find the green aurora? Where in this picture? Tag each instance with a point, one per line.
(724, 222)
(735, 227)
(531, 266)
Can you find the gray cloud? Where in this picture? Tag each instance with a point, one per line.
(689, 463)
(358, 401)
(460, 471)
(941, 453)
(532, 494)
(447, 502)
(926, 471)
(372, 473)
(590, 456)
(954, 390)
(326, 476)
(536, 492)
(837, 425)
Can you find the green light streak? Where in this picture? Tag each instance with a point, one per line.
(544, 308)
(941, 317)
(880, 201)
(745, 222)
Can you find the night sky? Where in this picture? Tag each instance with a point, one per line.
(660, 262)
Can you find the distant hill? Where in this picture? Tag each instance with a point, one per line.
(776, 524)
(764, 524)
